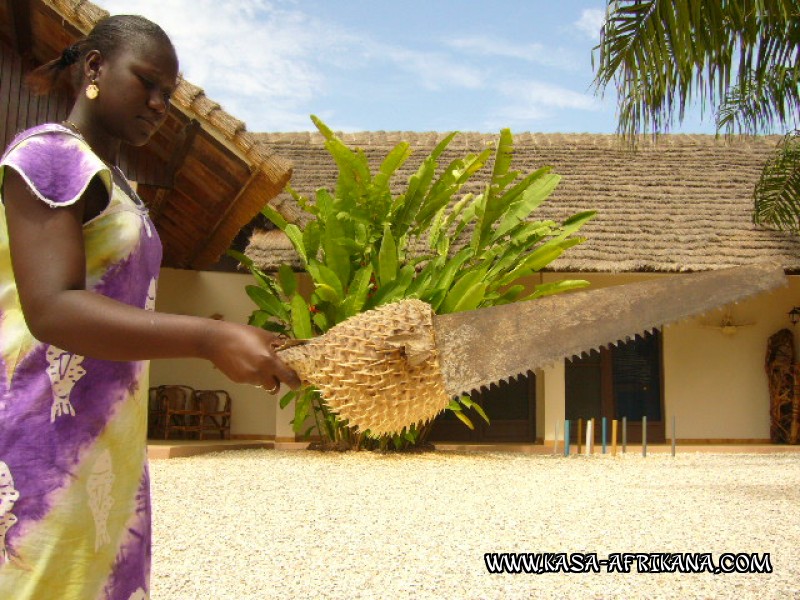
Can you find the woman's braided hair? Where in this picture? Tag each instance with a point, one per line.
(108, 36)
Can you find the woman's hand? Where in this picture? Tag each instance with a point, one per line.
(247, 355)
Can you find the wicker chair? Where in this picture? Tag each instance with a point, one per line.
(215, 412)
(154, 413)
(178, 410)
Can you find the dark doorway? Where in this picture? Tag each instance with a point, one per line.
(511, 408)
(623, 381)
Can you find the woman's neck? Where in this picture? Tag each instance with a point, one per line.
(105, 146)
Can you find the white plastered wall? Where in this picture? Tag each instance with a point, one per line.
(204, 293)
(716, 384)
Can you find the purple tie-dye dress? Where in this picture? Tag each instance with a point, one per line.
(74, 486)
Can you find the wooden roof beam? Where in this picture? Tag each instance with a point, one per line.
(199, 258)
(186, 140)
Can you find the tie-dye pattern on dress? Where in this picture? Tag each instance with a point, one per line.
(74, 485)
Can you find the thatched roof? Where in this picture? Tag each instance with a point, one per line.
(683, 203)
(203, 175)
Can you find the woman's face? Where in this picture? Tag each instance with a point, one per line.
(135, 85)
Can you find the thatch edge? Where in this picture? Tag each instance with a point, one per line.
(469, 139)
(277, 244)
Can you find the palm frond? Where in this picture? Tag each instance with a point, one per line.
(777, 194)
(756, 107)
(662, 54)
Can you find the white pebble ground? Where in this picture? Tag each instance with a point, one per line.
(305, 525)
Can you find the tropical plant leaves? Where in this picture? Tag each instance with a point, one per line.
(301, 318)
(464, 292)
(286, 398)
(393, 161)
(777, 193)
(387, 257)
(470, 403)
(294, 234)
(359, 289)
(396, 289)
(754, 107)
(325, 276)
(535, 189)
(556, 287)
(288, 280)
(267, 301)
(274, 216)
(354, 250)
(312, 239)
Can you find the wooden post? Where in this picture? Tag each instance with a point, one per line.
(614, 437)
(580, 434)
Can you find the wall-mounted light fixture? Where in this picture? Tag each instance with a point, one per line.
(727, 324)
(794, 315)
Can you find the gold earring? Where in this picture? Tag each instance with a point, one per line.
(92, 91)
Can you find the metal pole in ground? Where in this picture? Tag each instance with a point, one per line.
(555, 439)
(644, 435)
(589, 437)
(566, 437)
(673, 435)
(624, 434)
(604, 434)
(614, 437)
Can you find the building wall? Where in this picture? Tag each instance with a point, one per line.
(716, 384)
(203, 294)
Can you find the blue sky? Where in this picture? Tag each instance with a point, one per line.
(415, 65)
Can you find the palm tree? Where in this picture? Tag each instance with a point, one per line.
(740, 57)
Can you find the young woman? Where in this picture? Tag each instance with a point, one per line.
(79, 258)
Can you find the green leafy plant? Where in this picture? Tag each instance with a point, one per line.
(366, 247)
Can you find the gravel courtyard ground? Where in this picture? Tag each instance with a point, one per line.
(304, 525)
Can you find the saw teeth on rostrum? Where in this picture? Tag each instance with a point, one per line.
(379, 370)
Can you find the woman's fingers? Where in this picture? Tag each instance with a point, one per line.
(286, 374)
(247, 355)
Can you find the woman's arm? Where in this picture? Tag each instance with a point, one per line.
(48, 260)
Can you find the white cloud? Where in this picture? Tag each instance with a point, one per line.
(263, 63)
(535, 52)
(591, 22)
(542, 94)
(435, 71)
(530, 102)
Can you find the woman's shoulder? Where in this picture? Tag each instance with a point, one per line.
(47, 136)
(46, 129)
(55, 162)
